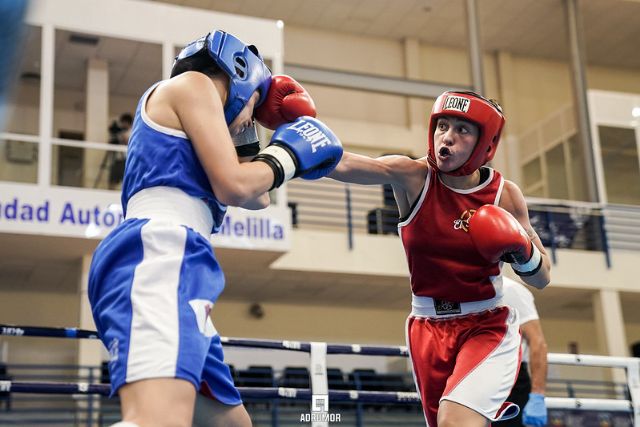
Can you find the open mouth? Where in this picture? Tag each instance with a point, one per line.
(444, 152)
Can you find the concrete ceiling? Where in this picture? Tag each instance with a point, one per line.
(133, 66)
(524, 27)
(534, 28)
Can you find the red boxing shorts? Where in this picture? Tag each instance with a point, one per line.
(471, 359)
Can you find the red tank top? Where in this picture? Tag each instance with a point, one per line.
(443, 263)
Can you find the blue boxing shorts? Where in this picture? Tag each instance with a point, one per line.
(152, 285)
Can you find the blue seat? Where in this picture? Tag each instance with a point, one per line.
(295, 377)
(255, 376)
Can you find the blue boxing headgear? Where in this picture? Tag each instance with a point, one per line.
(241, 62)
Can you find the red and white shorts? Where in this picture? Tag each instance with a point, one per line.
(471, 359)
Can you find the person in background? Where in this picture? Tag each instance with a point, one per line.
(119, 133)
(12, 31)
(120, 130)
(528, 391)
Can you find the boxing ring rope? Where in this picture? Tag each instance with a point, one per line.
(318, 373)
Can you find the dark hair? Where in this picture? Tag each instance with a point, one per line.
(201, 62)
(493, 102)
(126, 118)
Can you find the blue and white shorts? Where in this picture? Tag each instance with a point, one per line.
(152, 284)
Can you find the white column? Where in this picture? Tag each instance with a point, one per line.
(168, 56)
(90, 352)
(46, 104)
(610, 329)
(610, 323)
(506, 159)
(415, 106)
(97, 119)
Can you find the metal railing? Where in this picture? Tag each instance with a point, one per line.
(74, 163)
(326, 204)
(622, 226)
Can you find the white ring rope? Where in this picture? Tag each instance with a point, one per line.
(630, 364)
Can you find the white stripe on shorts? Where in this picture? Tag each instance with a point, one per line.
(496, 373)
(153, 347)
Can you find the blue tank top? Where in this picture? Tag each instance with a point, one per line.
(160, 156)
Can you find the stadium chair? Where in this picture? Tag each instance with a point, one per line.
(255, 376)
(295, 377)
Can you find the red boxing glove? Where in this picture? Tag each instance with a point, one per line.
(286, 101)
(497, 235)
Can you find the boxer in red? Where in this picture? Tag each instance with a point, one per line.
(459, 221)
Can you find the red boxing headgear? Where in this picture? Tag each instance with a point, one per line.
(485, 114)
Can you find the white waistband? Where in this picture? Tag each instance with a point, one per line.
(171, 205)
(428, 307)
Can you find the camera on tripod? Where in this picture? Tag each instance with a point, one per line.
(114, 161)
(114, 133)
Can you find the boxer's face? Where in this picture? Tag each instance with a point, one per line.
(244, 119)
(453, 142)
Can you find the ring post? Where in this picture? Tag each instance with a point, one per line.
(319, 384)
(633, 381)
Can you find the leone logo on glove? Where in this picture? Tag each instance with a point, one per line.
(312, 134)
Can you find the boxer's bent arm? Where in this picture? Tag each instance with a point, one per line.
(359, 169)
(262, 201)
(199, 108)
(512, 200)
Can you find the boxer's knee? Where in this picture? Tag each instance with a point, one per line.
(453, 414)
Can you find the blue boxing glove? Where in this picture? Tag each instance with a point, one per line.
(305, 148)
(535, 411)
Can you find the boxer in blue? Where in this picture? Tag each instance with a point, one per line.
(154, 280)
(12, 31)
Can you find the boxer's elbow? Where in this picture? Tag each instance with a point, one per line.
(234, 192)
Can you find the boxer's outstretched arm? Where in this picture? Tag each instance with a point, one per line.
(359, 169)
(406, 175)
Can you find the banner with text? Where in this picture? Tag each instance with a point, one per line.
(92, 214)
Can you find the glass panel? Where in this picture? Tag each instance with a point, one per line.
(119, 71)
(23, 106)
(576, 163)
(556, 175)
(536, 191)
(19, 153)
(619, 151)
(18, 160)
(532, 174)
(70, 168)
